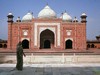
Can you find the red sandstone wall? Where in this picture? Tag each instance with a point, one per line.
(78, 33)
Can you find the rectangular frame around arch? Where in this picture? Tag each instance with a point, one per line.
(46, 24)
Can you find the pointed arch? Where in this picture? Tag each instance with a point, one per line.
(5, 45)
(25, 44)
(1, 45)
(88, 45)
(68, 44)
(46, 39)
(92, 46)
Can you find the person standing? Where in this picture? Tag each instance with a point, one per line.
(20, 53)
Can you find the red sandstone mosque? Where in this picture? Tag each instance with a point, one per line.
(47, 31)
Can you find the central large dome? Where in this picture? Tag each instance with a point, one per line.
(47, 12)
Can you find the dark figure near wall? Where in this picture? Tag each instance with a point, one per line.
(20, 53)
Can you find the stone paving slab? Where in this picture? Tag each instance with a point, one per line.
(52, 69)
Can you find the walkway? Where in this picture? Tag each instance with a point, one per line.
(52, 69)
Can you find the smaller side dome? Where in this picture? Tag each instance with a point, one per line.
(28, 17)
(66, 17)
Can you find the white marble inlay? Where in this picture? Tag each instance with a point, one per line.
(68, 32)
(25, 32)
(44, 28)
(68, 39)
(25, 39)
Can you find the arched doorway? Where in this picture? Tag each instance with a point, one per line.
(68, 44)
(1, 46)
(25, 44)
(46, 39)
(5, 46)
(92, 46)
(88, 46)
(47, 44)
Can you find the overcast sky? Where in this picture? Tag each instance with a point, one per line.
(72, 7)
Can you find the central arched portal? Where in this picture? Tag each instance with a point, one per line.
(46, 39)
(68, 44)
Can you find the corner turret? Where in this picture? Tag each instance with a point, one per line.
(18, 19)
(83, 18)
(10, 17)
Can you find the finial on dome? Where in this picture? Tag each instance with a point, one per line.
(47, 3)
(32, 13)
(28, 17)
(65, 17)
(47, 12)
(29, 11)
(65, 11)
(18, 18)
(62, 13)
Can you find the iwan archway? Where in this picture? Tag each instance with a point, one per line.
(68, 44)
(25, 44)
(46, 39)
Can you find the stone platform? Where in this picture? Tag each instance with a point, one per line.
(51, 69)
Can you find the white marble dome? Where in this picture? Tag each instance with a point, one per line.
(28, 17)
(10, 13)
(47, 12)
(66, 17)
(83, 14)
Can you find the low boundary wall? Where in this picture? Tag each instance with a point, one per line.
(52, 58)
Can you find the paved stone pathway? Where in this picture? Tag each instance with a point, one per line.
(51, 69)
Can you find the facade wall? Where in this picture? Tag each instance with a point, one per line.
(15, 33)
(78, 34)
(63, 31)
